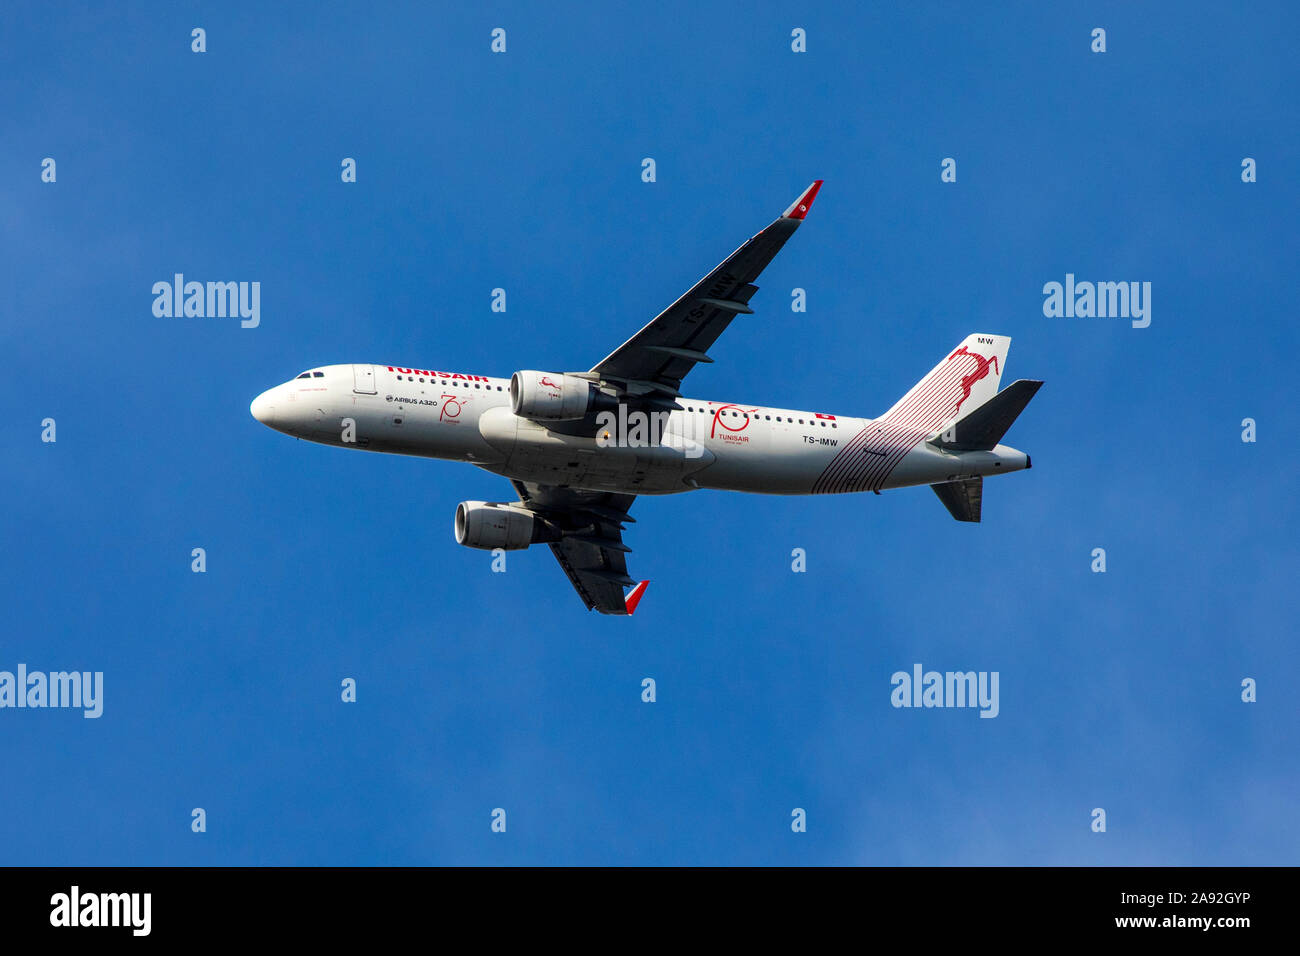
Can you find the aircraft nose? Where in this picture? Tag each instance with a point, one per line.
(263, 408)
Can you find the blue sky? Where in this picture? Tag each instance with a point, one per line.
(522, 170)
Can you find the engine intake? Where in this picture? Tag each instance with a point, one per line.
(550, 396)
(489, 525)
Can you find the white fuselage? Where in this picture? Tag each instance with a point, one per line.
(706, 444)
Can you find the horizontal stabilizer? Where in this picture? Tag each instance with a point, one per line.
(984, 427)
(963, 499)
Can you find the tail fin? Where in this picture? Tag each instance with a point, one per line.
(963, 499)
(983, 427)
(967, 378)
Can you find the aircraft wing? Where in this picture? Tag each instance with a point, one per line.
(657, 358)
(592, 550)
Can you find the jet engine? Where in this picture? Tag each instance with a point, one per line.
(550, 396)
(490, 525)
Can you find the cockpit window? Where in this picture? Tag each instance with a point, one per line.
(305, 375)
(317, 374)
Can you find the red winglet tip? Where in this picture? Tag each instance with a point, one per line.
(634, 598)
(799, 208)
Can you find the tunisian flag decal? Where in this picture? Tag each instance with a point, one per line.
(829, 418)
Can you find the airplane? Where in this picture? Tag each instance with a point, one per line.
(578, 447)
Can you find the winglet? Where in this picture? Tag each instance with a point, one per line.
(799, 208)
(634, 598)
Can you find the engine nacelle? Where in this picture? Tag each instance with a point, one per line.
(490, 525)
(549, 396)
